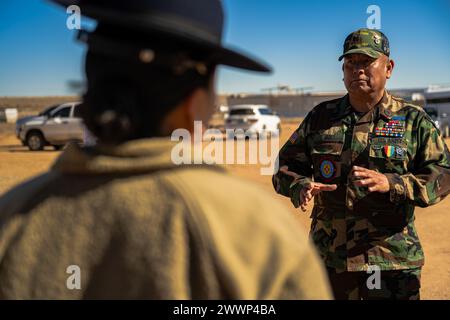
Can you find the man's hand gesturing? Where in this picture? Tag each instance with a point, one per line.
(313, 188)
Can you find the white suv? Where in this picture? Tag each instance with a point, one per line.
(254, 119)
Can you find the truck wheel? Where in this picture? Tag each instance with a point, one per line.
(35, 141)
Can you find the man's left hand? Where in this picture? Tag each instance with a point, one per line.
(374, 180)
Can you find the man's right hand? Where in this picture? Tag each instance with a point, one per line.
(307, 193)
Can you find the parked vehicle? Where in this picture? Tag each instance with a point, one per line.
(254, 120)
(55, 126)
(437, 106)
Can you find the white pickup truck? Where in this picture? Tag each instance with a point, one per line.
(56, 126)
(255, 120)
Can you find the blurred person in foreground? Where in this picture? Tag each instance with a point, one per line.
(367, 159)
(135, 224)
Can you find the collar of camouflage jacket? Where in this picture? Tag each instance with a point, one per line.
(385, 108)
(137, 156)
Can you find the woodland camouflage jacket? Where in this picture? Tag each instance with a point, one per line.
(352, 228)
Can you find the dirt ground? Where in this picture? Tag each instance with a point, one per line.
(18, 164)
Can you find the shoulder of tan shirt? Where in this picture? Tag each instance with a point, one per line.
(260, 249)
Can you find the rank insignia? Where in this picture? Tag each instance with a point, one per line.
(327, 169)
(389, 151)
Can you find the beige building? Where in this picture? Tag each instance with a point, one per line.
(290, 104)
(285, 104)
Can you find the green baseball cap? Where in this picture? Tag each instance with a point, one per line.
(366, 41)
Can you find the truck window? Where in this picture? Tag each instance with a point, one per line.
(239, 112)
(62, 113)
(265, 111)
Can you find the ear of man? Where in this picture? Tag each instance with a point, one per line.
(389, 67)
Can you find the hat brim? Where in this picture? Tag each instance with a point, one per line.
(220, 54)
(232, 58)
(367, 51)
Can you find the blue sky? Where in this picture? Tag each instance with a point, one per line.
(301, 40)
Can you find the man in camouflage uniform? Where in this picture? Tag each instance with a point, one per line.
(368, 159)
